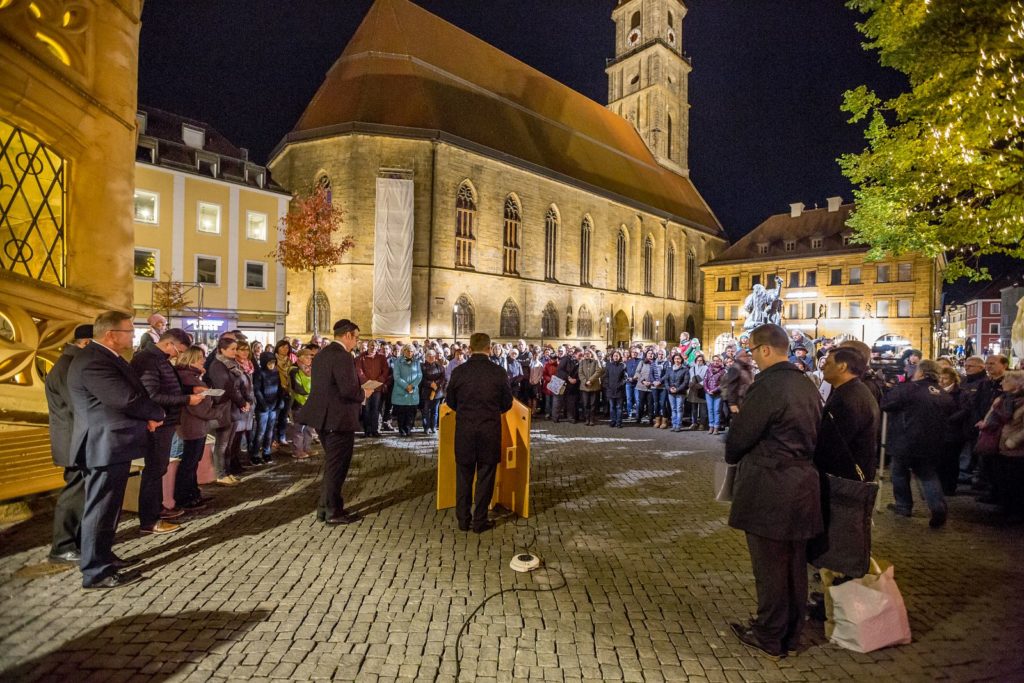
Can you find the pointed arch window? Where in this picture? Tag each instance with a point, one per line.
(670, 136)
(549, 321)
(509, 320)
(584, 323)
(586, 231)
(465, 316)
(510, 241)
(634, 21)
(670, 274)
(550, 244)
(648, 326)
(691, 275)
(670, 329)
(620, 261)
(465, 218)
(322, 307)
(324, 183)
(648, 265)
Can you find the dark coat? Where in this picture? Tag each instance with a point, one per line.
(919, 418)
(678, 379)
(568, 367)
(111, 408)
(219, 376)
(776, 493)
(976, 397)
(58, 400)
(615, 380)
(266, 384)
(154, 369)
(479, 394)
(432, 372)
(850, 416)
(195, 420)
(335, 393)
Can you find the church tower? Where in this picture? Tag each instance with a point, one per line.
(647, 79)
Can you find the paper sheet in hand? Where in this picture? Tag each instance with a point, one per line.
(371, 384)
(212, 392)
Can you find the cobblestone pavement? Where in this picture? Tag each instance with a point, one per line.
(256, 589)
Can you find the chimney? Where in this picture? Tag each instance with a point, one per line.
(796, 209)
(834, 203)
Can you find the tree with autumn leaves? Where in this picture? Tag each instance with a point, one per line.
(943, 172)
(309, 240)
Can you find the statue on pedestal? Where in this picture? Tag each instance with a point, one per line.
(763, 306)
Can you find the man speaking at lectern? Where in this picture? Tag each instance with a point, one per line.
(479, 394)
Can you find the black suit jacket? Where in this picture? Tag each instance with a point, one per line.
(335, 393)
(111, 408)
(58, 400)
(478, 392)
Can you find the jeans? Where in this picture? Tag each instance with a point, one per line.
(632, 399)
(927, 479)
(186, 481)
(266, 421)
(151, 485)
(615, 411)
(589, 404)
(429, 411)
(371, 413)
(658, 396)
(676, 401)
(714, 409)
(282, 420)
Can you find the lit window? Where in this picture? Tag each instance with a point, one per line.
(882, 309)
(794, 311)
(147, 207)
(855, 275)
(209, 218)
(734, 312)
(854, 309)
(809, 310)
(835, 309)
(256, 225)
(720, 312)
(903, 308)
(208, 270)
(145, 264)
(255, 275)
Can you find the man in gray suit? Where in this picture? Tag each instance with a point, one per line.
(112, 413)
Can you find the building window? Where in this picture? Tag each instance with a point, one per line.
(835, 309)
(854, 309)
(208, 270)
(836, 276)
(32, 193)
(903, 308)
(794, 311)
(324, 183)
(465, 216)
(549, 321)
(811, 278)
(586, 231)
(854, 275)
(734, 283)
(648, 326)
(721, 284)
(847, 240)
(790, 245)
(584, 323)
(322, 308)
(670, 275)
(691, 275)
(465, 317)
(755, 280)
(146, 263)
(794, 280)
(147, 207)
(720, 312)
(816, 242)
(620, 261)
(762, 249)
(648, 265)
(509, 320)
(208, 219)
(510, 241)
(670, 329)
(882, 273)
(809, 312)
(996, 308)
(881, 309)
(193, 136)
(993, 328)
(904, 272)
(551, 244)
(256, 225)
(734, 312)
(255, 275)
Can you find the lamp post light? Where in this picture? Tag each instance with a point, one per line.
(657, 331)
(542, 335)
(455, 324)
(732, 329)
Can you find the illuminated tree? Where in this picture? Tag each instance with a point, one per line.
(944, 168)
(309, 238)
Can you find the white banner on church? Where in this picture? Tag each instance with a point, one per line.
(392, 258)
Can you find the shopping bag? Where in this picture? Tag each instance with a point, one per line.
(869, 613)
(725, 476)
(556, 385)
(845, 546)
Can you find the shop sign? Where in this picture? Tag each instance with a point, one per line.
(204, 325)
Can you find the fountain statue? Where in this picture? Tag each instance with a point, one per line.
(763, 306)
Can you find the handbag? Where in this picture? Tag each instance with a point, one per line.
(869, 612)
(988, 442)
(845, 546)
(556, 385)
(725, 478)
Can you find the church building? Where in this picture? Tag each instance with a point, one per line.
(483, 195)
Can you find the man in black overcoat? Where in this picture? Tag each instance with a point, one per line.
(332, 409)
(67, 515)
(479, 394)
(112, 414)
(776, 495)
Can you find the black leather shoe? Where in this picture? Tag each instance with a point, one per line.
(750, 639)
(343, 518)
(70, 557)
(486, 526)
(463, 527)
(122, 563)
(115, 580)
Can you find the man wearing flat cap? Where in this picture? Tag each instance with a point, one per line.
(332, 409)
(67, 516)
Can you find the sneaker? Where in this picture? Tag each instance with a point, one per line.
(227, 480)
(161, 527)
(237, 480)
(173, 513)
(194, 505)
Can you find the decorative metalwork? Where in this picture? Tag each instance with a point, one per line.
(29, 345)
(32, 211)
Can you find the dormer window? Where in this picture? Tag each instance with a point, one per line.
(193, 136)
(141, 118)
(847, 239)
(816, 242)
(762, 248)
(255, 174)
(790, 245)
(208, 164)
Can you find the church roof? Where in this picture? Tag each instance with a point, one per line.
(409, 69)
(780, 229)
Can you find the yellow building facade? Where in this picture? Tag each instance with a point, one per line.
(206, 219)
(828, 288)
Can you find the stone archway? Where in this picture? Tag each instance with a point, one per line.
(620, 330)
(691, 326)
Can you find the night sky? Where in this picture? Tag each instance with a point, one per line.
(765, 92)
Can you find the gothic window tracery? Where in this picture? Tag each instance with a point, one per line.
(465, 217)
(551, 244)
(510, 240)
(509, 326)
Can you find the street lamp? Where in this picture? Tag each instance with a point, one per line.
(608, 329)
(455, 324)
(657, 330)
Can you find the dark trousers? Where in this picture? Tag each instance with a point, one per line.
(564, 406)
(464, 498)
(282, 420)
(186, 481)
(104, 495)
(337, 459)
(265, 423)
(589, 404)
(371, 413)
(151, 488)
(428, 410)
(780, 574)
(406, 416)
(67, 516)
